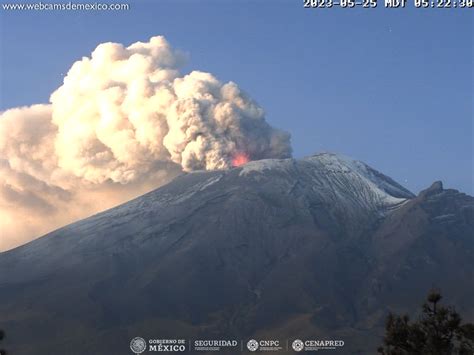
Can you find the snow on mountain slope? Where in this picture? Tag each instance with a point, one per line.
(338, 175)
(332, 191)
(327, 182)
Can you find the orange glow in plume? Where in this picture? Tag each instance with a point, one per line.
(240, 159)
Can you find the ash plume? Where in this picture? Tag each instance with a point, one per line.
(124, 121)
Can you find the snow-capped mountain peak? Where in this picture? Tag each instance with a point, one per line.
(334, 177)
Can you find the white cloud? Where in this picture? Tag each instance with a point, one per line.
(125, 120)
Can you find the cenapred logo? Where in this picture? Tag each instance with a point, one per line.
(138, 345)
(297, 345)
(252, 345)
(316, 344)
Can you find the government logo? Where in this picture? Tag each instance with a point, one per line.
(138, 345)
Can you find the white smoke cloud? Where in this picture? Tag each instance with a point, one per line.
(124, 121)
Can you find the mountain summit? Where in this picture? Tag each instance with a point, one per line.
(321, 247)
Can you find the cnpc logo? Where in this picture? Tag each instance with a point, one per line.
(265, 345)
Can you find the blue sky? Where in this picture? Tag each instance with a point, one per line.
(393, 88)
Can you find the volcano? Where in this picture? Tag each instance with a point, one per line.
(321, 248)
